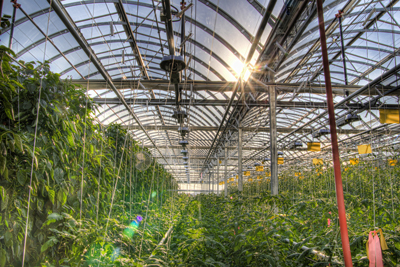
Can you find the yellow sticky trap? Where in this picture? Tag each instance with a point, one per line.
(280, 161)
(389, 116)
(318, 161)
(246, 173)
(260, 168)
(237, 176)
(268, 174)
(392, 162)
(314, 146)
(220, 162)
(354, 161)
(364, 149)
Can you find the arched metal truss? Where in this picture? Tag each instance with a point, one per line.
(218, 39)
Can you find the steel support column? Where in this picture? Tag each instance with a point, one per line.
(240, 154)
(335, 150)
(226, 171)
(213, 182)
(209, 182)
(15, 6)
(273, 141)
(218, 177)
(339, 16)
(1, 8)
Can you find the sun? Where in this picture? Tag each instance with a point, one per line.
(241, 70)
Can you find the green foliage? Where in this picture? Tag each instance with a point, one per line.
(77, 167)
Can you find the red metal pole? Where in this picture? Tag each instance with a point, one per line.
(335, 150)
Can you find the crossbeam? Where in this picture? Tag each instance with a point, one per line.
(245, 129)
(221, 86)
(217, 102)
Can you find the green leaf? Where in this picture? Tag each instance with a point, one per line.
(61, 197)
(21, 177)
(3, 257)
(71, 140)
(54, 216)
(51, 193)
(3, 162)
(2, 193)
(58, 175)
(52, 241)
(18, 142)
(4, 199)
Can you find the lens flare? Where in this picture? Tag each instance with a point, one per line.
(139, 218)
(115, 254)
(99, 253)
(131, 229)
(153, 194)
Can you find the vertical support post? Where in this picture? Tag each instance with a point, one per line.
(273, 137)
(15, 6)
(183, 32)
(209, 182)
(1, 7)
(335, 150)
(226, 170)
(240, 150)
(213, 181)
(217, 184)
(339, 16)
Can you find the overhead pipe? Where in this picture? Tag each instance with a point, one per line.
(1, 7)
(15, 6)
(335, 148)
(253, 48)
(339, 16)
(168, 26)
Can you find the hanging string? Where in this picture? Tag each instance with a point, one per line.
(98, 184)
(84, 131)
(147, 209)
(34, 141)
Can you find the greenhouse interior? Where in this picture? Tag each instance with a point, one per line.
(200, 133)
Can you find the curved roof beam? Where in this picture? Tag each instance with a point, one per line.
(143, 110)
(221, 12)
(217, 37)
(237, 25)
(352, 14)
(279, 74)
(219, 59)
(146, 117)
(144, 56)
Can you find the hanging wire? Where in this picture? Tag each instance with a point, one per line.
(34, 141)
